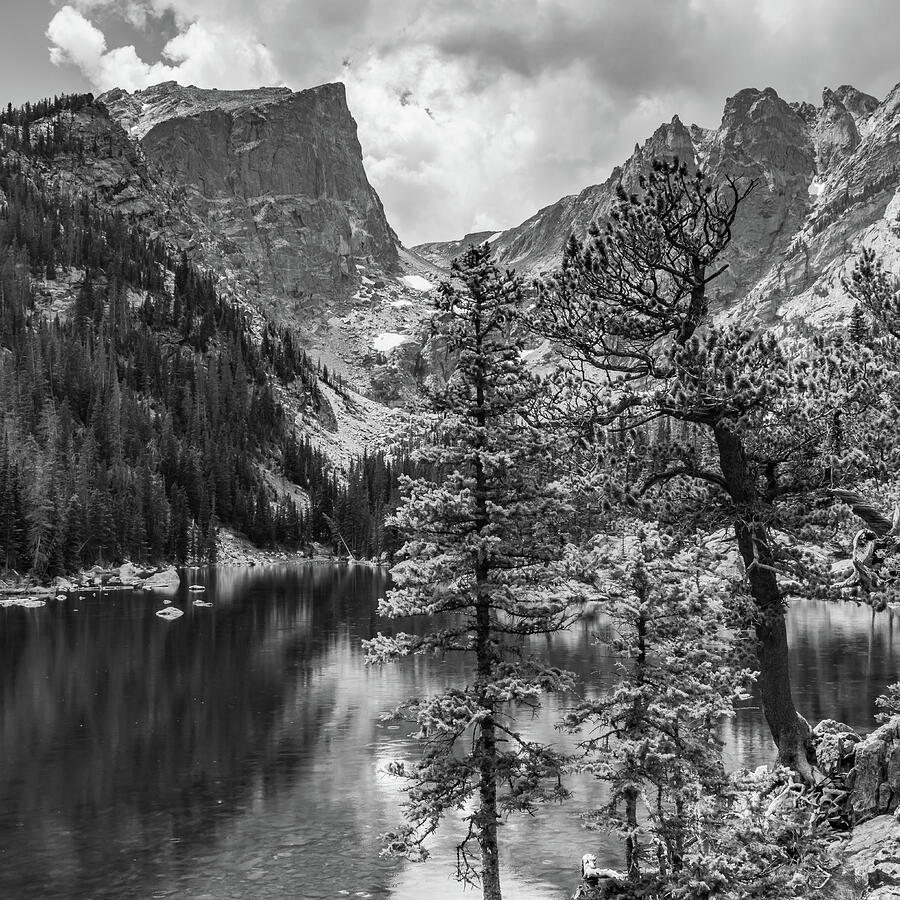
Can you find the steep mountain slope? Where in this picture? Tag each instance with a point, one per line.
(266, 190)
(272, 195)
(150, 395)
(276, 175)
(827, 182)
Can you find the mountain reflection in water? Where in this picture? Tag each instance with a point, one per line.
(238, 752)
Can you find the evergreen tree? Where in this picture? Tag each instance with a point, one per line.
(653, 734)
(748, 437)
(858, 329)
(484, 546)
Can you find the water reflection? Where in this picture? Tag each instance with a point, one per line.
(238, 752)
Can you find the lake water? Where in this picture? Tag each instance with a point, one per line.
(238, 752)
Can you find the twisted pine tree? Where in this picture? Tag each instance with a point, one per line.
(484, 564)
(720, 428)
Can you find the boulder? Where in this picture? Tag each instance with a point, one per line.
(867, 844)
(875, 781)
(834, 743)
(129, 574)
(164, 580)
(170, 613)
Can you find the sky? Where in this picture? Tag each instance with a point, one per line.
(472, 114)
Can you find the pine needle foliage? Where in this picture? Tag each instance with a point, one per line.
(703, 425)
(653, 735)
(485, 567)
(690, 829)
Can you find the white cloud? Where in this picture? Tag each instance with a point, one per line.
(75, 40)
(204, 54)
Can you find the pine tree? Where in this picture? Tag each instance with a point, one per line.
(485, 545)
(750, 417)
(654, 734)
(858, 329)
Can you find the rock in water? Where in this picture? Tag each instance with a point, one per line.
(170, 613)
(166, 580)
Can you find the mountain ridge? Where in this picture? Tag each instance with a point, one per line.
(826, 185)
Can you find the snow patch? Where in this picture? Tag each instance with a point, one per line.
(815, 188)
(495, 236)
(401, 303)
(892, 210)
(417, 282)
(388, 340)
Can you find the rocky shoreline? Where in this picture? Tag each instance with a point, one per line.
(858, 813)
(232, 550)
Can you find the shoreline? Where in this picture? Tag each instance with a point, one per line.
(166, 577)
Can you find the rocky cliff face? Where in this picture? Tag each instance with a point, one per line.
(276, 176)
(827, 184)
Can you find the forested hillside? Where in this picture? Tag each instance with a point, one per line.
(137, 405)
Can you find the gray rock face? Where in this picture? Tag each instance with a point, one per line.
(859, 104)
(875, 785)
(869, 841)
(836, 134)
(835, 743)
(827, 182)
(276, 176)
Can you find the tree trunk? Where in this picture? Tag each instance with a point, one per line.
(790, 731)
(632, 850)
(486, 657)
(487, 832)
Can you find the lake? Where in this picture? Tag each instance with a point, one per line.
(239, 751)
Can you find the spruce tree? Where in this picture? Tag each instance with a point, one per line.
(485, 549)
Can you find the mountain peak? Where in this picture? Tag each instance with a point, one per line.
(825, 182)
(140, 111)
(858, 104)
(276, 176)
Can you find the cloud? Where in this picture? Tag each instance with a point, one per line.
(474, 114)
(135, 12)
(205, 54)
(75, 40)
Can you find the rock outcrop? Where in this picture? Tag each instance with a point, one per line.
(276, 175)
(873, 856)
(864, 771)
(827, 184)
(875, 786)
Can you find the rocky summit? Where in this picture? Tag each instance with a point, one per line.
(276, 175)
(826, 184)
